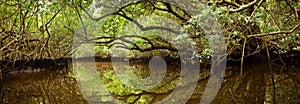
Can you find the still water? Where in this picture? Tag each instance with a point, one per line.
(259, 83)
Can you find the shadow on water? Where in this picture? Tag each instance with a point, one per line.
(260, 83)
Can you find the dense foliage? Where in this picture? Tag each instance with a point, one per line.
(32, 29)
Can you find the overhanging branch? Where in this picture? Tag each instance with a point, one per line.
(243, 7)
(275, 33)
(228, 3)
(142, 28)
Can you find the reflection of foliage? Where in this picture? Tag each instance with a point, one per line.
(61, 87)
(115, 86)
(286, 90)
(130, 95)
(123, 92)
(43, 87)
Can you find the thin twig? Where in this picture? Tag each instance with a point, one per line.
(242, 59)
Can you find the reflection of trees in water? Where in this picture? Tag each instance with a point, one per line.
(129, 95)
(255, 86)
(249, 88)
(156, 94)
(287, 86)
(43, 87)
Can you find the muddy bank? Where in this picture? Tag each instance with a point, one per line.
(40, 65)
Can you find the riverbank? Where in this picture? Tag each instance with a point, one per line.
(287, 59)
(45, 63)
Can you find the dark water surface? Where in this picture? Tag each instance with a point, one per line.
(260, 83)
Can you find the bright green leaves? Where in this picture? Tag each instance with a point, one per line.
(114, 85)
(113, 25)
(204, 55)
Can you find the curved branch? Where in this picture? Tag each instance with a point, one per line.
(228, 3)
(112, 39)
(46, 25)
(170, 10)
(136, 36)
(149, 49)
(116, 43)
(141, 27)
(127, 41)
(91, 17)
(243, 7)
(275, 33)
